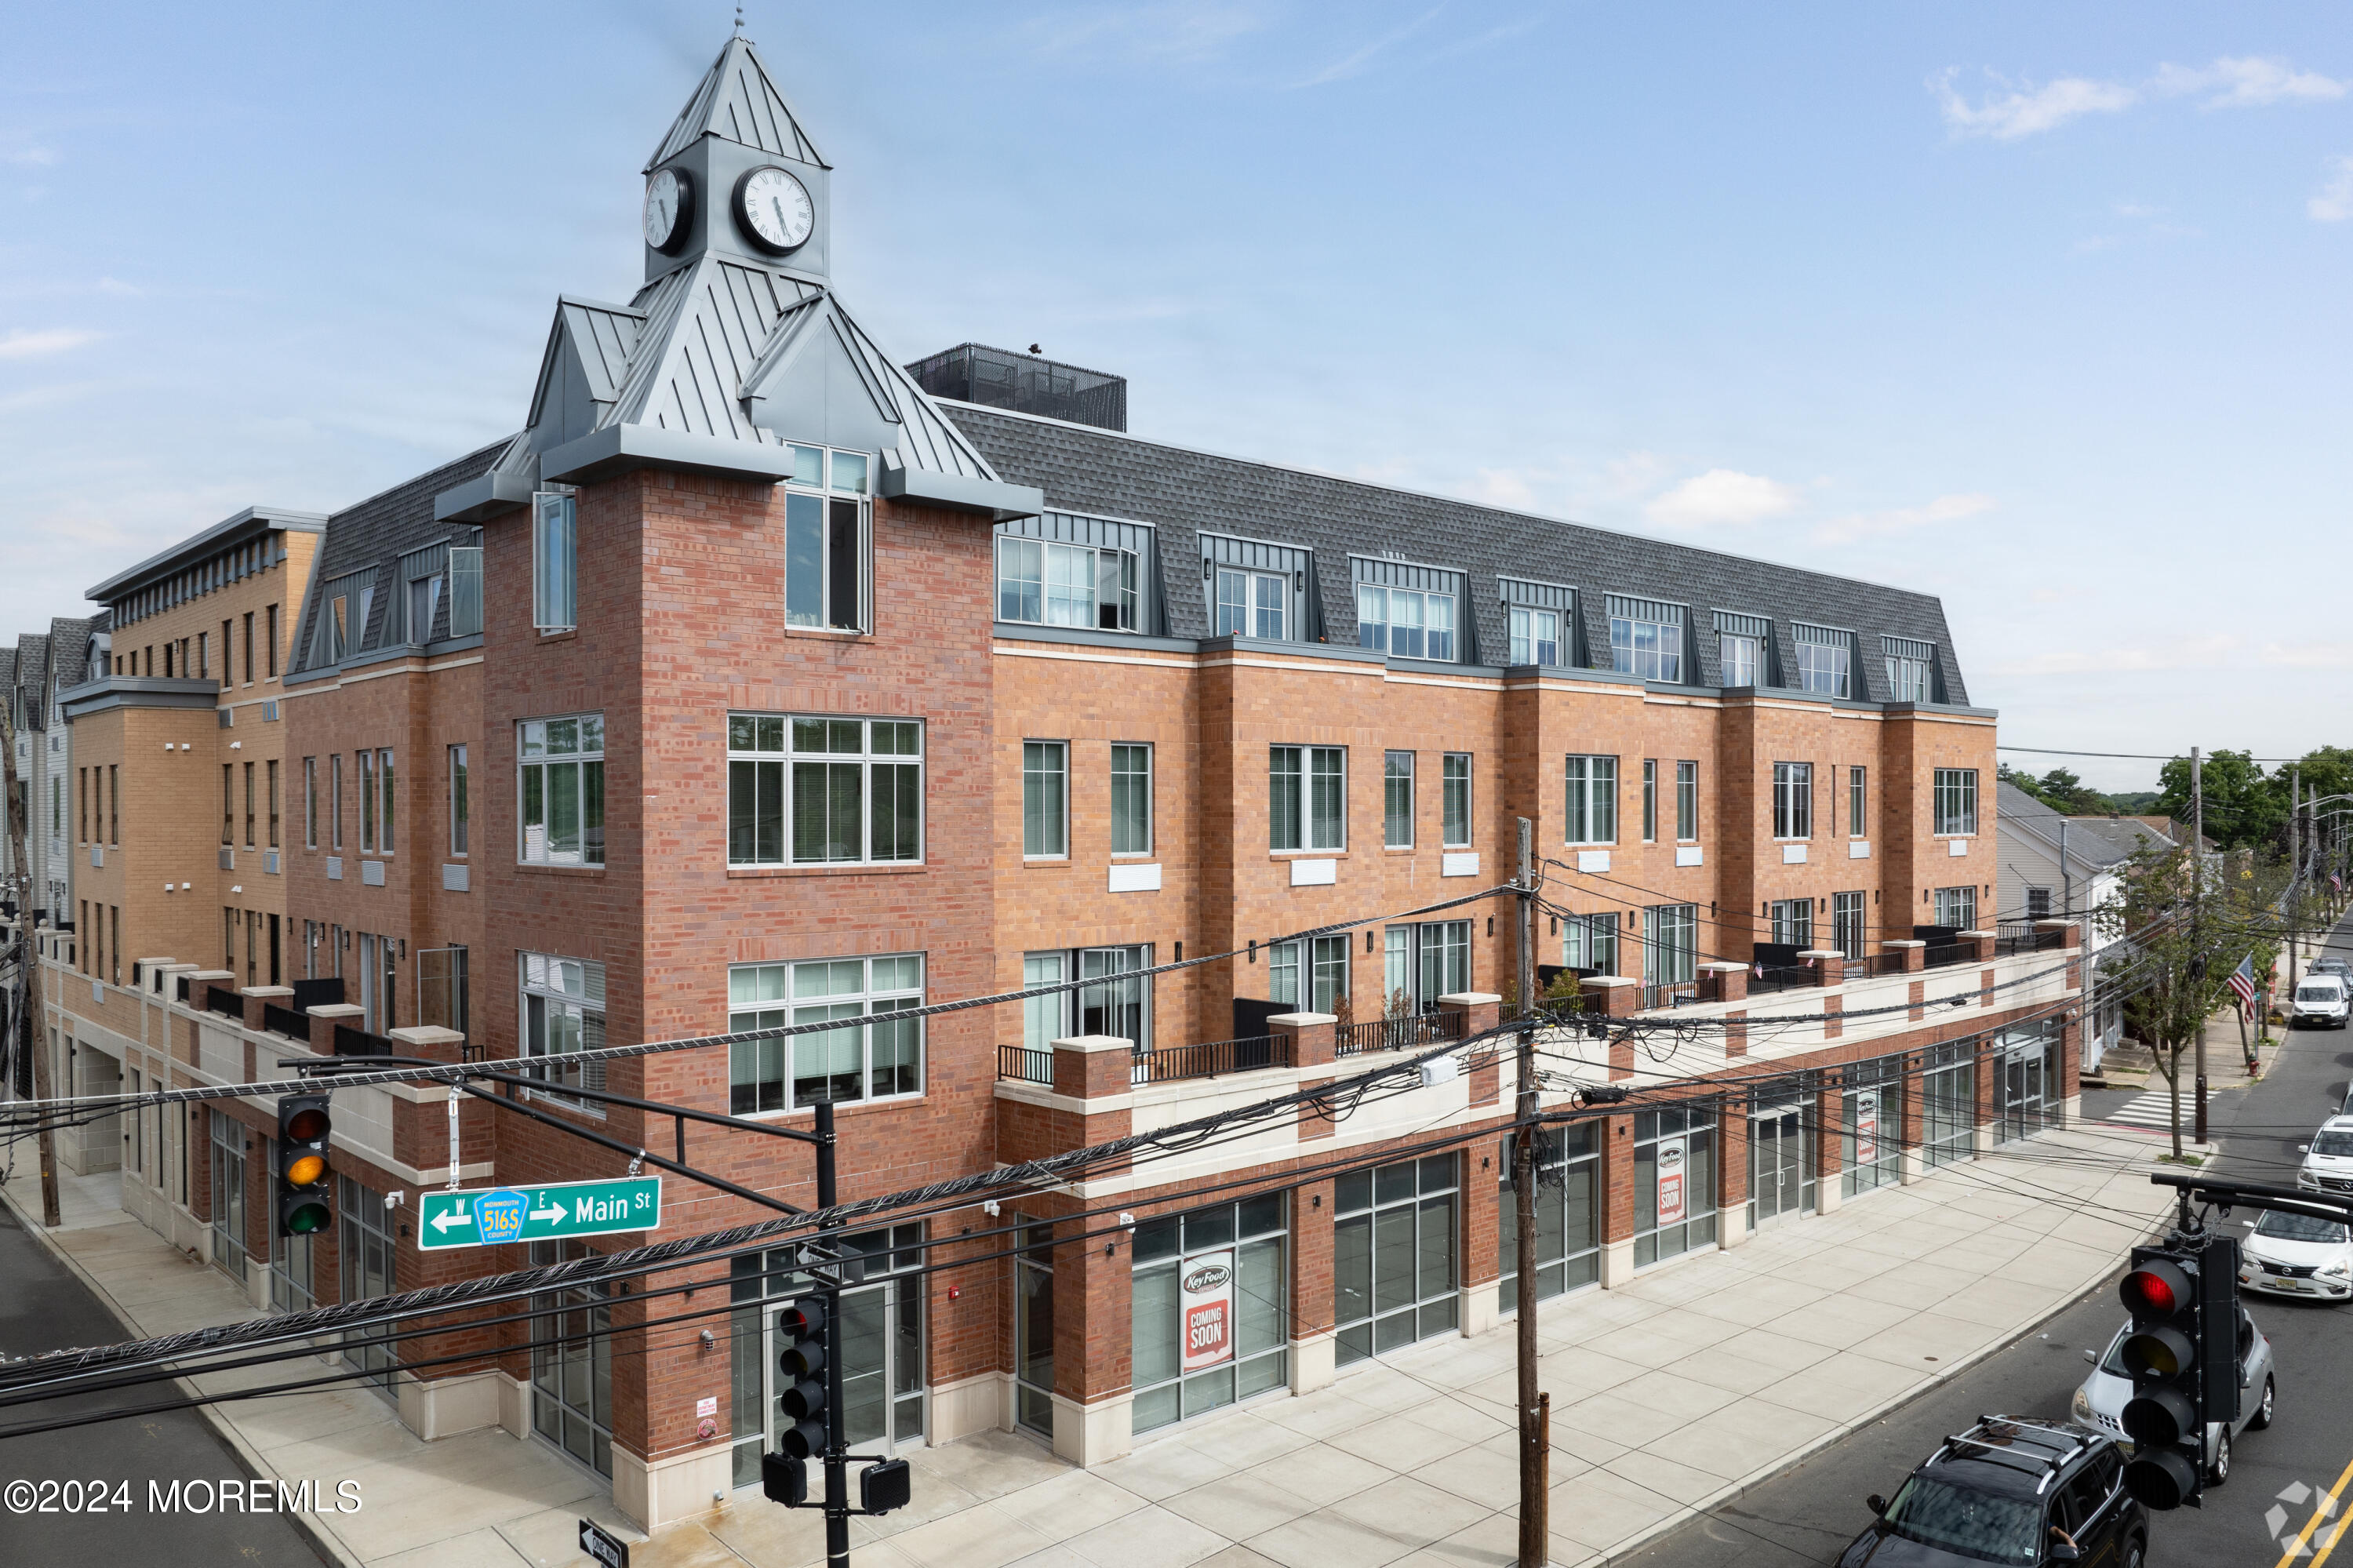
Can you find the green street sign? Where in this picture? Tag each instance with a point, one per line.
(491, 1217)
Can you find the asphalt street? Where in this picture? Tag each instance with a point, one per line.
(1810, 1514)
(131, 1464)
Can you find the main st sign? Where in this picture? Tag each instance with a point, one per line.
(494, 1216)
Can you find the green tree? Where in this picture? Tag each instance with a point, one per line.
(2244, 805)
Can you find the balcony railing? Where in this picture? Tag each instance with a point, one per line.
(1413, 1032)
(1212, 1060)
(2022, 937)
(1020, 1065)
(227, 1003)
(1876, 964)
(351, 1041)
(1680, 993)
(1780, 977)
(1942, 954)
(285, 1021)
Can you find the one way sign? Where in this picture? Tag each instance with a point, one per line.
(611, 1550)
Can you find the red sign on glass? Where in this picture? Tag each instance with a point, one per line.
(1205, 1303)
(1671, 1182)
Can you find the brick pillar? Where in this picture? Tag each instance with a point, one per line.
(1989, 1085)
(1830, 1122)
(203, 982)
(1311, 1351)
(1093, 1346)
(1914, 953)
(1731, 979)
(1980, 942)
(2070, 932)
(2070, 1069)
(429, 1041)
(1829, 965)
(1913, 1128)
(257, 997)
(1312, 1039)
(1476, 1012)
(1735, 1033)
(325, 1017)
(1916, 994)
(1611, 995)
(1617, 1201)
(1732, 1175)
(1480, 1265)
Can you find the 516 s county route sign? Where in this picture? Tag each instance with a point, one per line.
(491, 1217)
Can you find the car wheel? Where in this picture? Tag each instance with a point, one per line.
(2135, 1550)
(2220, 1470)
(2263, 1415)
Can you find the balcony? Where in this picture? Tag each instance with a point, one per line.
(1414, 1032)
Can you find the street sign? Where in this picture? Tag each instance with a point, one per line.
(491, 1217)
(609, 1550)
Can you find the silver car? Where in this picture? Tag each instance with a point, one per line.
(2100, 1403)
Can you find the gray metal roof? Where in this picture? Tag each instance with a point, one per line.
(737, 100)
(2096, 842)
(1186, 493)
(32, 675)
(198, 547)
(69, 651)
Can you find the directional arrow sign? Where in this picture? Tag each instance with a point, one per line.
(491, 1217)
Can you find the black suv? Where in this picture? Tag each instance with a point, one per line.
(2010, 1490)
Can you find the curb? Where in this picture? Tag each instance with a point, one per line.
(317, 1536)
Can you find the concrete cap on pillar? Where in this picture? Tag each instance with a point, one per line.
(1296, 1020)
(1081, 1042)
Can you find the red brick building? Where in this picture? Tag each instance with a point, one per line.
(753, 685)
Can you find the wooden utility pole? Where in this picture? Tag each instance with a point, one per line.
(1535, 1528)
(2197, 976)
(28, 961)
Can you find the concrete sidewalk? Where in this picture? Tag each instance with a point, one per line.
(1670, 1395)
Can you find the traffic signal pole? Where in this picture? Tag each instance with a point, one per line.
(1534, 1526)
(837, 1450)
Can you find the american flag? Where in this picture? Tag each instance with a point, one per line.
(2335, 881)
(2242, 981)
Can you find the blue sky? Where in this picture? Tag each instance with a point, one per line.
(2040, 309)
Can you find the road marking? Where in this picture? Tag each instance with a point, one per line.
(2153, 1109)
(2320, 1511)
(2333, 1539)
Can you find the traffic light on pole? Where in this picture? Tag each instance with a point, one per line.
(2166, 1417)
(304, 1126)
(784, 1475)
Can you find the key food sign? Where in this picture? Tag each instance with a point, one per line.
(1205, 1305)
(494, 1216)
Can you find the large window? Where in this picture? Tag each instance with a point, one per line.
(365, 1246)
(1825, 661)
(1454, 831)
(825, 539)
(572, 1362)
(1646, 638)
(1793, 922)
(1536, 635)
(563, 1015)
(1131, 798)
(1051, 584)
(856, 1062)
(1325, 985)
(1850, 932)
(1739, 659)
(367, 804)
(465, 590)
(1956, 801)
(561, 766)
(1957, 907)
(1423, 962)
(1910, 669)
(1252, 604)
(1589, 942)
(1870, 1126)
(555, 547)
(1045, 798)
(1686, 802)
(1208, 1310)
(1674, 1182)
(1396, 800)
(1568, 1215)
(1669, 943)
(1793, 799)
(842, 791)
(1948, 1103)
(1407, 622)
(1592, 800)
(1393, 1256)
(1307, 793)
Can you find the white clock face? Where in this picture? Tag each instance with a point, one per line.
(775, 209)
(666, 200)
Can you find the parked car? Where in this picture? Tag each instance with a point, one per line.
(2100, 1403)
(2328, 1159)
(2297, 1254)
(2319, 1002)
(2329, 966)
(2010, 1490)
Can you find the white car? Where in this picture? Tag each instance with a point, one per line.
(2297, 1254)
(2100, 1401)
(2329, 1158)
(2319, 1003)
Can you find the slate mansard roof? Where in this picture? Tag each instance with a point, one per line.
(1183, 493)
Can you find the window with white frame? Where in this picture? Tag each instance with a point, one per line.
(1045, 798)
(1592, 800)
(825, 539)
(1396, 800)
(2038, 903)
(1793, 799)
(1825, 661)
(1649, 800)
(1686, 802)
(461, 823)
(560, 769)
(554, 563)
(1534, 633)
(1309, 976)
(1910, 669)
(1858, 796)
(1646, 638)
(1455, 830)
(1411, 623)
(563, 1015)
(1307, 791)
(1741, 644)
(1252, 604)
(1955, 801)
(803, 790)
(1539, 621)
(1131, 798)
(1669, 943)
(1957, 907)
(1047, 583)
(858, 1060)
(1589, 942)
(1793, 921)
(309, 802)
(1045, 1018)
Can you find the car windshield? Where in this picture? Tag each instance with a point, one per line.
(2316, 994)
(2113, 1363)
(2301, 1227)
(2336, 1144)
(1999, 1530)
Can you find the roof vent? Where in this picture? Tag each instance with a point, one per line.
(1000, 378)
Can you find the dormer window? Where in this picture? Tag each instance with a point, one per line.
(1253, 589)
(1825, 659)
(1405, 611)
(1911, 666)
(1060, 569)
(825, 539)
(1252, 604)
(1646, 638)
(1743, 649)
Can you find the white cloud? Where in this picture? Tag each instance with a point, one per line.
(2030, 111)
(2306, 655)
(30, 157)
(1722, 497)
(2333, 203)
(1902, 520)
(1185, 34)
(22, 344)
(2246, 82)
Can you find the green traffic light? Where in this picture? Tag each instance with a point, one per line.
(307, 1219)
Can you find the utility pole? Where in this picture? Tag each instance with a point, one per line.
(30, 1034)
(1536, 1528)
(2197, 904)
(2295, 862)
(837, 1445)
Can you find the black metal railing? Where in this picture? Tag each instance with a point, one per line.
(1780, 977)
(2022, 937)
(1213, 1059)
(1873, 965)
(1672, 994)
(285, 1021)
(327, 993)
(183, 988)
(1411, 1033)
(351, 1041)
(227, 1003)
(1020, 1065)
(1943, 954)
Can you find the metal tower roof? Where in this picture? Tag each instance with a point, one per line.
(739, 101)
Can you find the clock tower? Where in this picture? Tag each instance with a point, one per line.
(737, 176)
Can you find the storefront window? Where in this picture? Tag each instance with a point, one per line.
(1393, 1256)
(1780, 1151)
(1569, 1227)
(1674, 1181)
(2029, 1080)
(572, 1368)
(1948, 1104)
(1209, 1313)
(1870, 1126)
(1033, 1327)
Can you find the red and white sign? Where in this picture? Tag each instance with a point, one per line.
(1671, 1181)
(1866, 1127)
(1205, 1308)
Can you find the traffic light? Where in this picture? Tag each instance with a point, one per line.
(2166, 1417)
(303, 1127)
(803, 1365)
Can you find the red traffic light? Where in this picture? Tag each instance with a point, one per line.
(804, 1318)
(2157, 1289)
(306, 1126)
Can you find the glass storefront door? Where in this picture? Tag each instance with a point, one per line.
(1568, 1225)
(228, 1195)
(1871, 1127)
(365, 1244)
(1393, 1256)
(1780, 1162)
(2030, 1073)
(1033, 1330)
(1948, 1103)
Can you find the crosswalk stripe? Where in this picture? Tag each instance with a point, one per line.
(2152, 1109)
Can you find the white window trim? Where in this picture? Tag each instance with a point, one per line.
(1151, 799)
(1064, 853)
(791, 1004)
(1307, 848)
(521, 762)
(1590, 785)
(866, 758)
